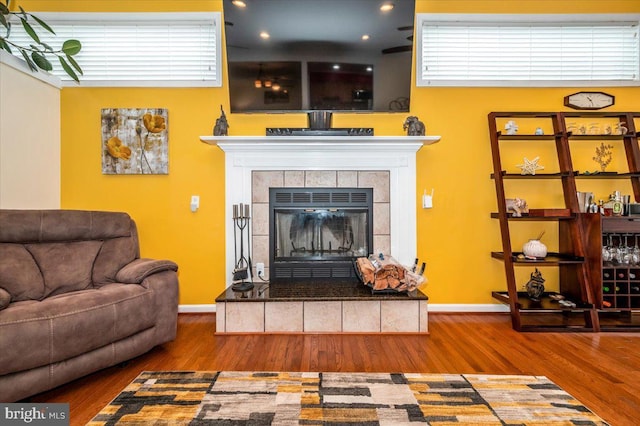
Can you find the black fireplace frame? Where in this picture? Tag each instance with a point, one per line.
(307, 269)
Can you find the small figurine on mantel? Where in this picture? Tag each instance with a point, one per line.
(222, 126)
(414, 126)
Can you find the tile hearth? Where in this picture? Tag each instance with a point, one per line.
(304, 307)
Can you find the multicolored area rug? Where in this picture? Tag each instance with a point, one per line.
(262, 398)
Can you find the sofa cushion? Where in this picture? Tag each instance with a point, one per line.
(62, 225)
(67, 325)
(49, 252)
(65, 266)
(114, 254)
(19, 273)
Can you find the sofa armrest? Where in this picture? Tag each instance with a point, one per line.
(136, 271)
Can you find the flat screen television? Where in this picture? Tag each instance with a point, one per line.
(302, 55)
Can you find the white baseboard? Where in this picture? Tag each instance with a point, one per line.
(433, 307)
(196, 309)
(457, 307)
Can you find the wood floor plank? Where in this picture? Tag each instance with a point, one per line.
(602, 370)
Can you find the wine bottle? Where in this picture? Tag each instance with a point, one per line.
(606, 289)
(632, 275)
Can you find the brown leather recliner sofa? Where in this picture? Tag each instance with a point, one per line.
(75, 297)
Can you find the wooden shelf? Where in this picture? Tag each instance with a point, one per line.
(576, 137)
(552, 259)
(545, 304)
(603, 114)
(521, 137)
(608, 176)
(526, 217)
(580, 234)
(506, 175)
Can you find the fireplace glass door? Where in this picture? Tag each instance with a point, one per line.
(320, 234)
(316, 233)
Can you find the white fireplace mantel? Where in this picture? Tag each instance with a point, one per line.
(397, 154)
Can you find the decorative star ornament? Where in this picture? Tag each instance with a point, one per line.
(530, 166)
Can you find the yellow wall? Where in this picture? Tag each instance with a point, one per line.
(455, 238)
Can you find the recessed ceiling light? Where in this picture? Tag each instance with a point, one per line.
(386, 7)
(369, 69)
(365, 36)
(265, 35)
(336, 67)
(239, 3)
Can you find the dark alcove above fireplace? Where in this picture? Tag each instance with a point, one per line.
(315, 233)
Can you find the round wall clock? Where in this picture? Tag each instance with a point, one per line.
(589, 100)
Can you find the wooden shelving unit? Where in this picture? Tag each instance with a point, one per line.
(572, 262)
(581, 271)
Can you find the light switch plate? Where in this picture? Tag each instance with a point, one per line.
(195, 202)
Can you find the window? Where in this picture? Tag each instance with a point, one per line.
(528, 50)
(138, 49)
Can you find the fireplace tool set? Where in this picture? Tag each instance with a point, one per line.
(243, 267)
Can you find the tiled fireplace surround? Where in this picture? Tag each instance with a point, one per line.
(386, 164)
(262, 180)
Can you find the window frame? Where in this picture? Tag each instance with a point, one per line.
(507, 19)
(153, 18)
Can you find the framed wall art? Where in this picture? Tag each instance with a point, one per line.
(135, 141)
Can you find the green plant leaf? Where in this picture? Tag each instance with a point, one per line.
(75, 65)
(71, 47)
(5, 46)
(26, 57)
(68, 69)
(23, 13)
(4, 9)
(3, 20)
(29, 29)
(46, 46)
(42, 62)
(42, 24)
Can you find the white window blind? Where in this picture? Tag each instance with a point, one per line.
(137, 49)
(542, 51)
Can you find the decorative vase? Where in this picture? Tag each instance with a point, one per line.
(534, 248)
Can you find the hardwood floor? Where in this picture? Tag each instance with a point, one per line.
(602, 370)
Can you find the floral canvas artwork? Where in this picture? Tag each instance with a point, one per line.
(135, 141)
